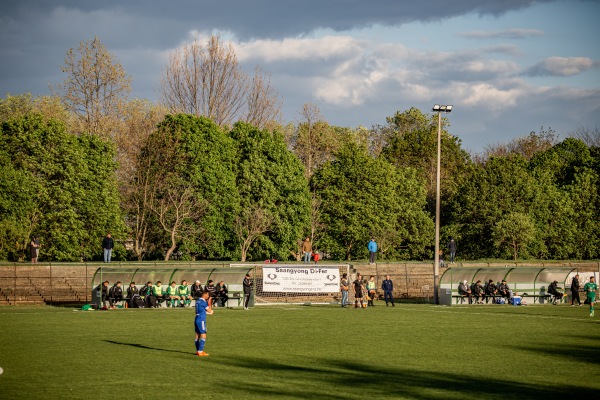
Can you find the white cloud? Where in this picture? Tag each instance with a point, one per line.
(513, 33)
(560, 66)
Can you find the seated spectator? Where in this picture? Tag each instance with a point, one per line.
(553, 290)
(116, 294)
(222, 293)
(316, 256)
(183, 291)
(159, 292)
(490, 291)
(504, 290)
(477, 292)
(212, 291)
(133, 294)
(103, 288)
(464, 290)
(148, 294)
(172, 295)
(197, 290)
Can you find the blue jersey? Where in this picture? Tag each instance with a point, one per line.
(201, 307)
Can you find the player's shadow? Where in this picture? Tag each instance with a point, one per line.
(326, 377)
(582, 353)
(141, 346)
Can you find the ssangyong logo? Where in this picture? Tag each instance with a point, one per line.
(272, 276)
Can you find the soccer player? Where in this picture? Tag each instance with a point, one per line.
(202, 309)
(172, 294)
(183, 292)
(590, 288)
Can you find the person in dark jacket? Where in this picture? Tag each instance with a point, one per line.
(247, 283)
(575, 290)
(490, 291)
(388, 288)
(197, 290)
(221, 293)
(553, 290)
(504, 290)
(107, 245)
(477, 292)
(132, 294)
(149, 295)
(452, 249)
(104, 290)
(116, 294)
(465, 290)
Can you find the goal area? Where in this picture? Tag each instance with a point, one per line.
(296, 283)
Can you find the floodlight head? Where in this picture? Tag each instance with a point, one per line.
(436, 107)
(449, 108)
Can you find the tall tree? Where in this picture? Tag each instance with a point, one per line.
(95, 88)
(263, 105)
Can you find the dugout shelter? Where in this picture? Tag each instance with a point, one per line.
(232, 277)
(529, 282)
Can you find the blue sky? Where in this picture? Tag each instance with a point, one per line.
(507, 67)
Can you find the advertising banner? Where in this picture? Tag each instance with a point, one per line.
(301, 279)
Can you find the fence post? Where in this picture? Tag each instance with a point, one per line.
(15, 286)
(51, 287)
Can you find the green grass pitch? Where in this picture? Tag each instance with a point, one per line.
(414, 351)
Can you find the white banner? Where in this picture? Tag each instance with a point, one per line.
(301, 280)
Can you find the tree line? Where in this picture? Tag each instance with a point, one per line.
(211, 173)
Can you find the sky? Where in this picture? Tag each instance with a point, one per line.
(508, 67)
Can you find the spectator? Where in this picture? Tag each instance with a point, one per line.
(464, 290)
(104, 290)
(183, 291)
(553, 290)
(490, 291)
(108, 244)
(477, 292)
(504, 290)
(159, 291)
(344, 286)
(222, 295)
(316, 256)
(197, 290)
(34, 249)
(442, 263)
(452, 249)
(575, 291)
(307, 250)
(149, 295)
(372, 246)
(172, 295)
(388, 291)
(247, 284)
(212, 291)
(133, 294)
(357, 286)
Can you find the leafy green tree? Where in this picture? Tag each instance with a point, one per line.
(513, 232)
(271, 185)
(363, 197)
(68, 188)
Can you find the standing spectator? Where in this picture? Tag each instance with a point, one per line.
(197, 290)
(388, 290)
(504, 290)
(372, 246)
(357, 286)
(590, 288)
(575, 291)
(34, 249)
(477, 292)
(222, 295)
(108, 244)
(247, 283)
(465, 290)
(344, 286)
(490, 291)
(452, 249)
(307, 250)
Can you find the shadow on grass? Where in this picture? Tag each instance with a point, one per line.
(347, 379)
(141, 346)
(581, 353)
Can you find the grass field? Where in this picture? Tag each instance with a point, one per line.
(323, 352)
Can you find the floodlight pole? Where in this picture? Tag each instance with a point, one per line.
(436, 265)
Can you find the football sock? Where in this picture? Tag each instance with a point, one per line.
(201, 344)
(197, 343)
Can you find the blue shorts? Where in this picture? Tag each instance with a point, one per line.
(200, 326)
